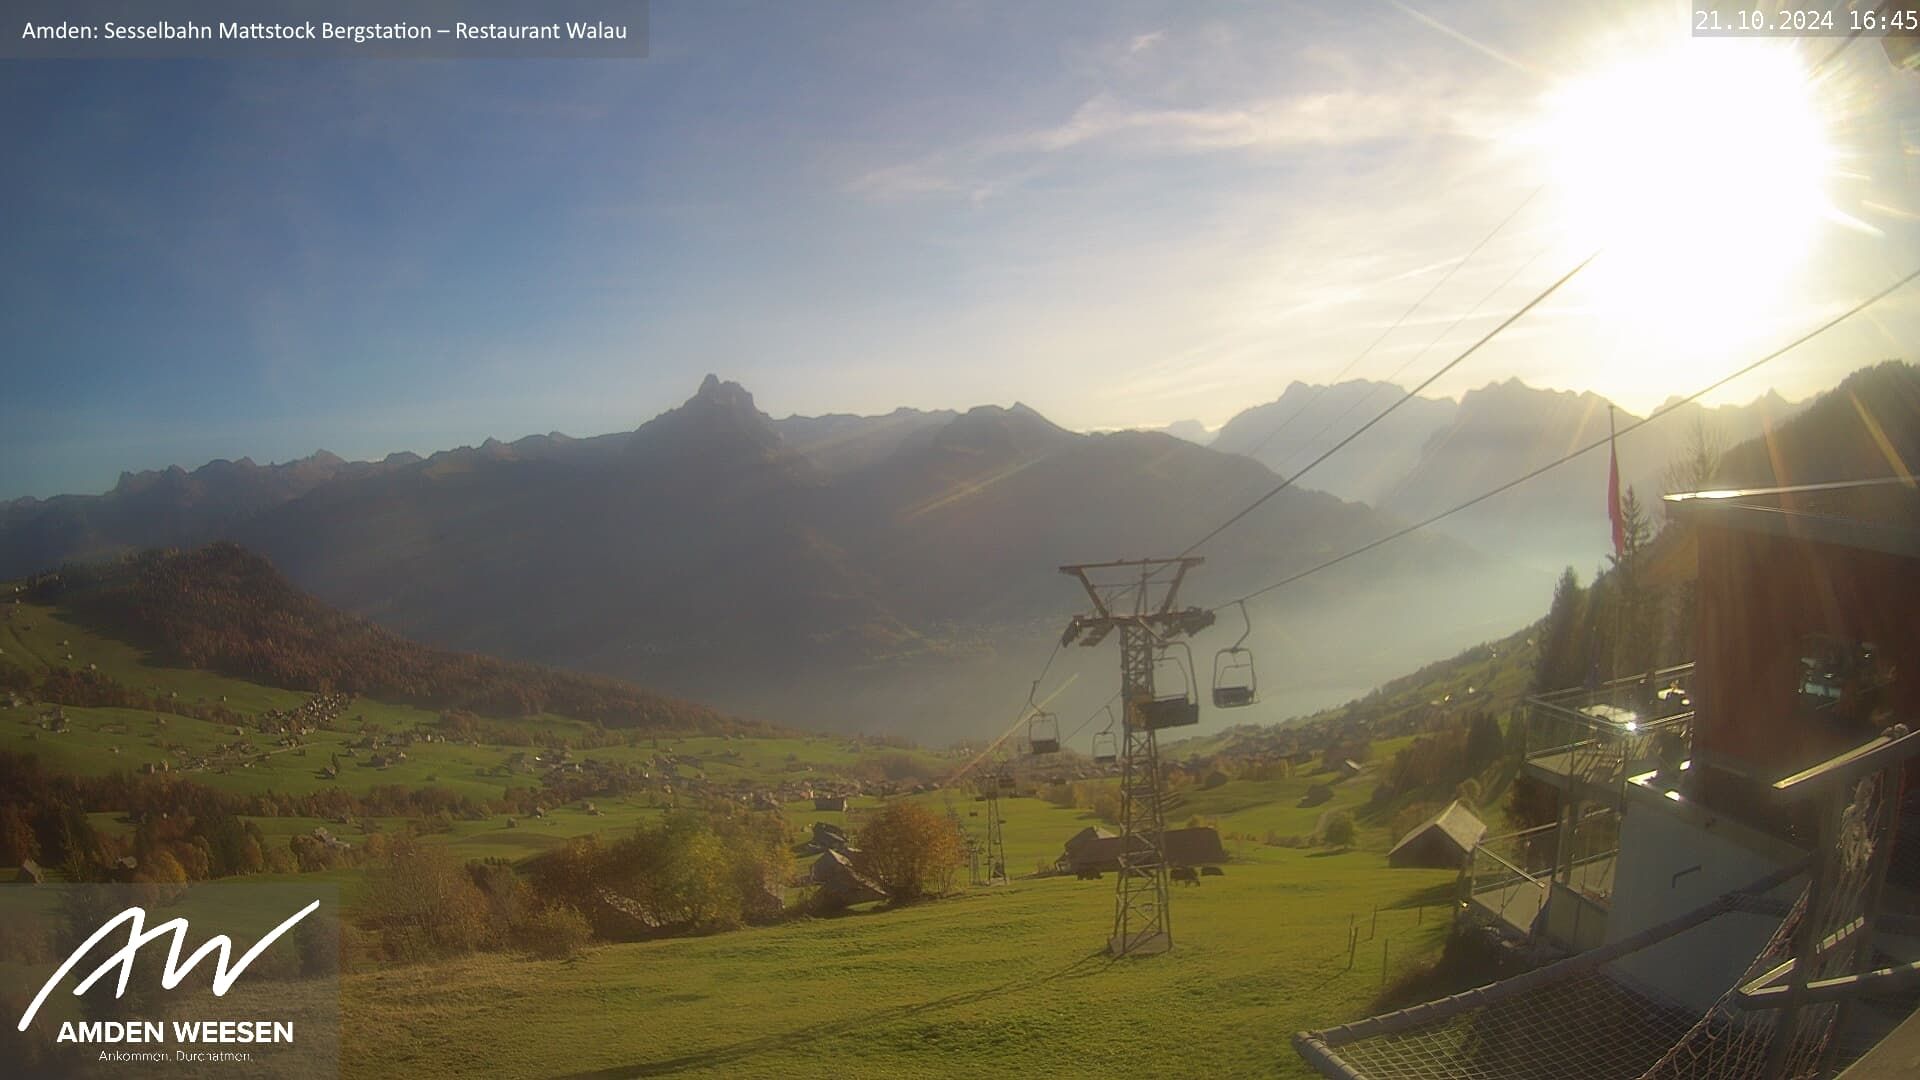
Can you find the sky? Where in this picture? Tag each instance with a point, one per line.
(1121, 214)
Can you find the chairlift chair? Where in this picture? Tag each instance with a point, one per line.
(1235, 683)
(1106, 748)
(1043, 734)
(1006, 782)
(1173, 703)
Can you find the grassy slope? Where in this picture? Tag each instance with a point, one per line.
(88, 748)
(998, 979)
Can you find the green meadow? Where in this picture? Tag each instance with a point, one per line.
(996, 981)
(993, 980)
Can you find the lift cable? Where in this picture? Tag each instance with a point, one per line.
(1103, 706)
(1421, 354)
(1397, 403)
(1397, 323)
(1590, 447)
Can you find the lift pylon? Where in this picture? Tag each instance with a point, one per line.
(1139, 598)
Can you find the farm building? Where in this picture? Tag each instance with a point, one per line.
(839, 882)
(1443, 841)
(827, 837)
(1078, 856)
(830, 803)
(1096, 849)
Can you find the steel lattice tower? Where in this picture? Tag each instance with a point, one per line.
(996, 843)
(1142, 920)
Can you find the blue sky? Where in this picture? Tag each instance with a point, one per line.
(1122, 214)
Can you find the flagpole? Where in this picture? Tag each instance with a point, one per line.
(1614, 515)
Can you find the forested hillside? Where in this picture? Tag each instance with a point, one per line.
(221, 608)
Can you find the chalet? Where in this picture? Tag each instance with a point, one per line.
(1443, 841)
(839, 882)
(827, 837)
(1079, 854)
(1094, 849)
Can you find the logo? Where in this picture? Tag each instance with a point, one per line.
(138, 936)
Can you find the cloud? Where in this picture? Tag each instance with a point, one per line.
(1107, 124)
(1143, 42)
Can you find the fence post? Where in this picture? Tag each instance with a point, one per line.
(1373, 924)
(1384, 944)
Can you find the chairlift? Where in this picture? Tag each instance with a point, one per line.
(1043, 730)
(1043, 733)
(1106, 748)
(1235, 684)
(1173, 703)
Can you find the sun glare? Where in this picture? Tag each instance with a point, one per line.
(1702, 171)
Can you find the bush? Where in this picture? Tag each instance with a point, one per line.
(555, 932)
(1340, 830)
(423, 904)
(910, 851)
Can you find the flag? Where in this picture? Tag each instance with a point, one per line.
(1613, 493)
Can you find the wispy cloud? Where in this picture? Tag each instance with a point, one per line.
(1109, 124)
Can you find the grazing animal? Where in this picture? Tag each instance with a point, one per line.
(1212, 871)
(1089, 873)
(1186, 874)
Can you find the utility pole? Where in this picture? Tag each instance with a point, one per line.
(1138, 598)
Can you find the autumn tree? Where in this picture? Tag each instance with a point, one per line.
(911, 851)
(423, 903)
(17, 842)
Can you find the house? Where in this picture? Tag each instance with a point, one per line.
(840, 884)
(1443, 841)
(1078, 855)
(828, 837)
(1093, 849)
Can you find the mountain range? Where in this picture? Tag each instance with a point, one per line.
(1432, 454)
(899, 573)
(894, 573)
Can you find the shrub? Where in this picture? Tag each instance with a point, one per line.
(423, 904)
(555, 932)
(910, 851)
(1340, 830)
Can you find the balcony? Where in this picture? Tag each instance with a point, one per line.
(1586, 742)
(1565, 873)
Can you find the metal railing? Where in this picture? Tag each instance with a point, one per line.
(1509, 878)
(1597, 738)
(1566, 718)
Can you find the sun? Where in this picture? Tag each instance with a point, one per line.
(1701, 169)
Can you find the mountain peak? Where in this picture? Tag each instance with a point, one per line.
(719, 422)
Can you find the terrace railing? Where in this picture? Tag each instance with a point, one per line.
(1508, 879)
(1587, 741)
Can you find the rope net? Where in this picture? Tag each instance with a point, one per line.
(1589, 1018)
